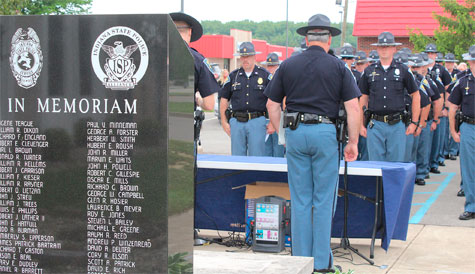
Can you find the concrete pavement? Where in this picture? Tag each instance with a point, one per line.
(437, 242)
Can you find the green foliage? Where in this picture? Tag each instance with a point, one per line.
(272, 32)
(178, 265)
(44, 7)
(456, 29)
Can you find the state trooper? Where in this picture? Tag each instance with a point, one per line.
(244, 89)
(382, 85)
(205, 83)
(273, 149)
(312, 103)
(423, 140)
(373, 57)
(463, 95)
(442, 78)
(451, 149)
(361, 64)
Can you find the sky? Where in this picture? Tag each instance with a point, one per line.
(231, 10)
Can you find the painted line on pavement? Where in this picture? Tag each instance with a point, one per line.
(423, 210)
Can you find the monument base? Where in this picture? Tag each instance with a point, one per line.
(209, 262)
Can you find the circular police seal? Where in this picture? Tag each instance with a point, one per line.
(115, 56)
(26, 58)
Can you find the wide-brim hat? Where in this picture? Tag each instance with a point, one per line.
(431, 48)
(450, 57)
(440, 57)
(347, 52)
(246, 49)
(417, 61)
(426, 58)
(272, 60)
(386, 39)
(196, 28)
(360, 57)
(470, 55)
(319, 21)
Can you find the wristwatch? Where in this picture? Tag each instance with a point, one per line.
(436, 121)
(415, 123)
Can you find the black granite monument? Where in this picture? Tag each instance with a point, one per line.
(96, 145)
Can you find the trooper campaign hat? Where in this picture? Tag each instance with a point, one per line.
(373, 56)
(319, 21)
(360, 57)
(431, 48)
(407, 51)
(271, 60)
(417, 61)
(440, 57)
(196, 28)
(401, 57)
(246, 49)
(450, 58)
(386, 39)
(347, 52)
(470, 55)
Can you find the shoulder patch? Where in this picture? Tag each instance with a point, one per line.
(270, 76)
(206, 62)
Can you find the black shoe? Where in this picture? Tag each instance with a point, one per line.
(467, 216)
(435, 170)
(420, 182)
(461, 193)
(452, 157)
(427, 176)
(446, 156)
(441, 164)
(328, 270)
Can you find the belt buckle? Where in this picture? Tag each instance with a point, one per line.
(248, 116)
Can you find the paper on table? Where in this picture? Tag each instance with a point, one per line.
(281, 129)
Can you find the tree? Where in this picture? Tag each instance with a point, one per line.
(456, 29)
(44, 7)
(272, 32)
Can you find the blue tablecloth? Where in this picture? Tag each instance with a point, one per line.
(220, 201)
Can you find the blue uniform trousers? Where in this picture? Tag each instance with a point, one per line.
(467, 164)
(247, 138)
(273, 149)
(444, 139)
(422, 156)
(362, 149)
(435, 147)
(312, 159)
(411, 149)
(386, 142)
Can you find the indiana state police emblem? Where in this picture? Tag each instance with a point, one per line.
(26, 58)
(119, 58)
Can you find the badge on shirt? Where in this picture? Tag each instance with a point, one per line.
(260, 81)
(397, 72)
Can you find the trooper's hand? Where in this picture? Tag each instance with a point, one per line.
(270, 128)
(411, 129)
(418, 131)
(363, 131)
(444, 113)
(351, 152)
(226, 127)
(433, 126)
(456, 136)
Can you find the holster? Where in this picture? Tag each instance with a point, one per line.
(199, 116)
(458, 120)
(366, 117)
(407, 117)
(291, 120)
(228, 113)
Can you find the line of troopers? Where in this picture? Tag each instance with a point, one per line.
(310, 87)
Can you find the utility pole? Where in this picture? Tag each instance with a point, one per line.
(343, 29)
(286, 32)
(182, 6)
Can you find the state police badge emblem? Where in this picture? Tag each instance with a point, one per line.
(119, 70)
(26, 58)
